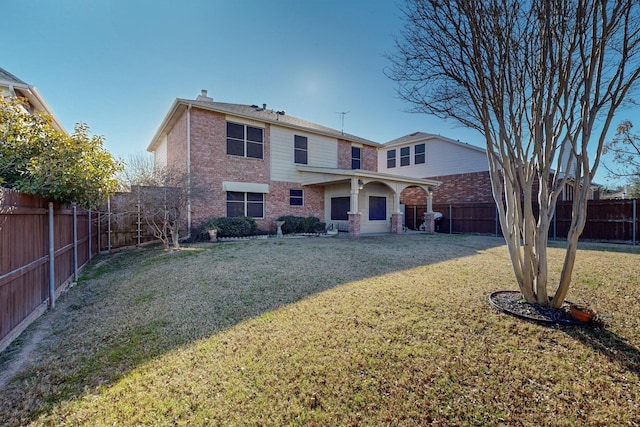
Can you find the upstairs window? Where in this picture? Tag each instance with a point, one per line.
(420, 154)
(296, 197)
(356, 153)
(405, 156)
(391, 159)
(300, 150)
(245, 204)
(245, 141)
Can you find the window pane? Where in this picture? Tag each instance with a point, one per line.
(391, 154)
(255, 197)
(295, 198)
(300, 142)
(234, 196)
(254, 134)
(377, 208)
(300, 156)
(339, 208)
(405, 156)
(235, 147)
(355, 157)
(254, 209)
(235, 131)
(254, 150)
(235, 209)
(420, 154)
(391, 163)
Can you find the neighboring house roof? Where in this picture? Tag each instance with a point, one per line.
(17, 87)
(422, 136)
(253, 112)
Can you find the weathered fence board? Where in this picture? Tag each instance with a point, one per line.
(607, 220)
(25, 256)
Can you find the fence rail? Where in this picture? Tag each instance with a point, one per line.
(607, 220)
(42, 247)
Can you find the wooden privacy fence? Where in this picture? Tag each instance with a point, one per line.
(607, 220)
(42, 247)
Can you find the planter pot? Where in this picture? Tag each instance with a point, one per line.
(582, 313)
(213, 235)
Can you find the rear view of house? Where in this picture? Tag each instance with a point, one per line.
(263, 163)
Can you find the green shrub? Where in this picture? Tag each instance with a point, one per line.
(235, 227)
(227, 227)
(298, 224)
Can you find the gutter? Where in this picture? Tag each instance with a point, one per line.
(189, 171)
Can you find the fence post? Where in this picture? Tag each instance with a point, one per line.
(52, 261)
(75, 242)
(450, 220)
(634, 228)
(109, 225)
(89, 234)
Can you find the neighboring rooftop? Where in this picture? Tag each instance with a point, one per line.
(7, 77)
(421, 136)
(17, 87)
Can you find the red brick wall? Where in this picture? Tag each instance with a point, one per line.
(210, 164)
(368, 159)
(277, 202)
(177, 144)
(413, 196)
(462, 188)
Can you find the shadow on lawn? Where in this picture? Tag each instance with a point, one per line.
(103, 329)
(609, 344)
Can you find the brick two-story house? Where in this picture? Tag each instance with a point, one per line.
(264, 163)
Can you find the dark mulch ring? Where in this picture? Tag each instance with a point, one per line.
(511, 302)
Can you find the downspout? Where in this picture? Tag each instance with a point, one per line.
(189, 171)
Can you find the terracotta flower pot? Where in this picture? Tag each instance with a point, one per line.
(582, 313)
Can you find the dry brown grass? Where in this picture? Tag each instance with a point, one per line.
(390, 330)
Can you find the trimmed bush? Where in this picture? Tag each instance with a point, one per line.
(298, 224)
(235, 227)
(227, 227)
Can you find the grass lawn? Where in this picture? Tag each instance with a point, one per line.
(386, 330)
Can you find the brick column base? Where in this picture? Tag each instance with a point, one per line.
(429, 223)
(354, 224)
(396, 223)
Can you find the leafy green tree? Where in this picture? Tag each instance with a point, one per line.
(37, 159)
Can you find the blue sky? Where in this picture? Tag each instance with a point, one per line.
(117, 65)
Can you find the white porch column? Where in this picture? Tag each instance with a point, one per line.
(429, 200)
(355, 191)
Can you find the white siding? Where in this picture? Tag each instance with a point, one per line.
(442, 158)
(322, 152)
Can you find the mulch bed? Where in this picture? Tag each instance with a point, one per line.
(511, 302)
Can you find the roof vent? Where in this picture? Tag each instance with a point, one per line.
(264, 106)
(203, 96)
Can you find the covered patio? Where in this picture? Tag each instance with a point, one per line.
(365, 201)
